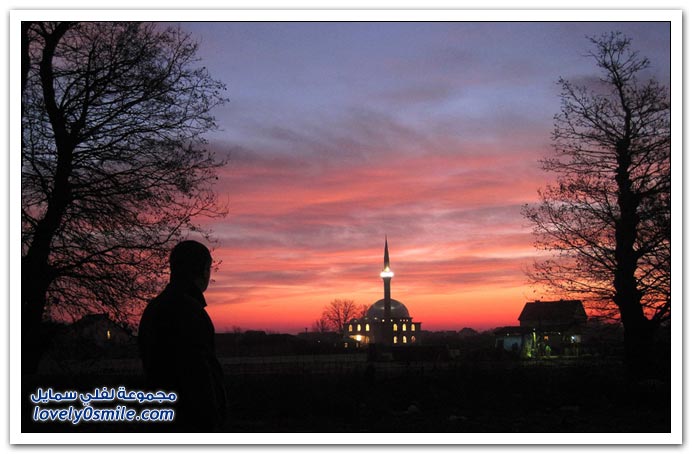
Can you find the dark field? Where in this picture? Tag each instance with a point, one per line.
(338, 393)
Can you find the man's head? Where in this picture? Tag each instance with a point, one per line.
(191, 261)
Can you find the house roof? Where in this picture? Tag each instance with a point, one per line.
(95, 320)
(562, 310)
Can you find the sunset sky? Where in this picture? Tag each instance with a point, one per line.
(339, 133)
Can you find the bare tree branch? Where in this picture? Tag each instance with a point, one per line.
(114, 167)
(606, 220)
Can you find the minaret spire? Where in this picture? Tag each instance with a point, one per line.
(386, 254)
(387, 276)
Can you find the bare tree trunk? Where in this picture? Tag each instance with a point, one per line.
(36, 270)
(638, 329)
(35, 282)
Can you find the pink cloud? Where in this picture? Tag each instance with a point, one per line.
(306, 227)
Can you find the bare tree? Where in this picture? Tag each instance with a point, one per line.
(339, 312)
(114, 168)
(607, 218)
(321, 325)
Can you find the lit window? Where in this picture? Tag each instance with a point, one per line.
(403, 327)
(108, 334)
(395, 339)
(358, 329)
(413, 339)
(350, 328)
(403, 340)
(413, 327)
(367, 327)
(395, 327)
(359, 338)
(345, 344)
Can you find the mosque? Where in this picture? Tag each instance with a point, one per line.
(387, 321)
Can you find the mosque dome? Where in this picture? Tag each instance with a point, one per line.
(377, 310)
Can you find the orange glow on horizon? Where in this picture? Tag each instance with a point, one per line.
(434, 292)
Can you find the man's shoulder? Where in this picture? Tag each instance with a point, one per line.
(171, 301)
(163, 314)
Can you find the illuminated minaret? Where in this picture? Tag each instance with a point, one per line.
(387, 276)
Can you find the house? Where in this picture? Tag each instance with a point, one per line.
(100, 330)
(516, 339)
(93, 336)
(546, 328)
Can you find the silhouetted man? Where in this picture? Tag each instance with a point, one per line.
(176, 342)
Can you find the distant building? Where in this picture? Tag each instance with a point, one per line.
(467, 332)
(94, 336)
(517, 339)
(546, 328)
(387, 321)
(100, 330)
(563, 314)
